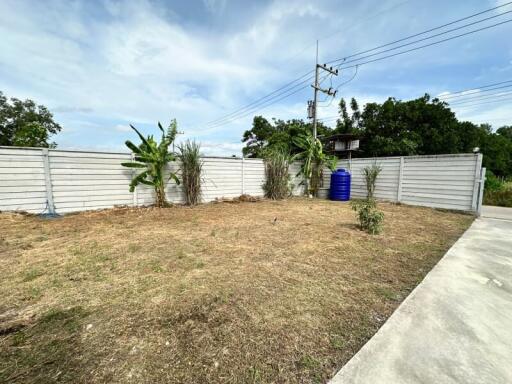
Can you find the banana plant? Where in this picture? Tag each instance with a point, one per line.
(313, 160)
(152, 158)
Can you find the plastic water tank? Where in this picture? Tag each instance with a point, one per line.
(340, 185)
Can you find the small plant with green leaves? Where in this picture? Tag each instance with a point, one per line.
(277, 176)
(332, 163)
(191, 171)
(370, 174)
(313, 161)
(369, 217)
(152, 158)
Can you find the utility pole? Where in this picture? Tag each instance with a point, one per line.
(312, 105)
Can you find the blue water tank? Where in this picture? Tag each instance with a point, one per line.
(340, 185)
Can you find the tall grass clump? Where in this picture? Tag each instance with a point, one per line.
(370, 174)
(277, 177)
(191, 168)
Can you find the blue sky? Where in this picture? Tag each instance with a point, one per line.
(101, 65)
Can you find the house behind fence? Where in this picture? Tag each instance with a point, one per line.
(36, 180)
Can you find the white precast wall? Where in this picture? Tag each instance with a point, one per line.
(84, 181)
(78, 180)
(22, 180)
(438, 181)
(442, 181)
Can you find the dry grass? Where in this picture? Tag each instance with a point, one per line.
(257, 292)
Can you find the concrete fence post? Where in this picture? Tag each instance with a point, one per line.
(243, 175)
(135, 194)
(481, 192)
(478, 171)
(48, 181)
(400, 178)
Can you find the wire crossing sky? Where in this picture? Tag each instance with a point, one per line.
(214, 64)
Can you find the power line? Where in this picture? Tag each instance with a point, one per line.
(421, 33)
(274, 96)
(465, 102)
(262, 99)
(298, 53)
(339, 86)
(481, 97)
(478, 90)
(423, 39)
(340, 66)
(303, 84)
(482, 103)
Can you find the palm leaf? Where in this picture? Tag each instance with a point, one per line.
(142, 138)
(174, 177)
(132, 146)
(140, 178)
(134, 165)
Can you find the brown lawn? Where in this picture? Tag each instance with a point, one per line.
(282, 292)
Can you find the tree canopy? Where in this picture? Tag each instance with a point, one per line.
(277, 134)
(422, 126)
(25, 124)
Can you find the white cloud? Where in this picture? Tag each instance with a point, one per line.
(122, 128)
(101, 66)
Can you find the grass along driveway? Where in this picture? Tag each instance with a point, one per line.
(221, 293)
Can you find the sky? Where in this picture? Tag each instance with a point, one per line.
(102, 65)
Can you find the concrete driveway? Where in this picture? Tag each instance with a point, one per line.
(456, 326)
(497, 212)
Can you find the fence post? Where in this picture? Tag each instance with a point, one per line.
(478, 170)
(400, 177)
(243, 176)
(481, 192)
(135, 195)
(48, 181)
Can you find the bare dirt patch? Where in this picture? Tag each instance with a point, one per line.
(221, 293)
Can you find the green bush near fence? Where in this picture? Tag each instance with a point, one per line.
(498, 192)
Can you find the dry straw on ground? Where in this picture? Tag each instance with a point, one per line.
(262, 292)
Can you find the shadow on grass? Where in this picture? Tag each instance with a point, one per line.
(46, 351)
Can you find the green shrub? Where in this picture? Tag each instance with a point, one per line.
(277, 176)
(493, 183)
(369, 217)
(500, 198)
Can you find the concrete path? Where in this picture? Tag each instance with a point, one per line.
(456, 326)
(497, 212)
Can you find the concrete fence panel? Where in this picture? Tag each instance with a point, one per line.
(39, 180)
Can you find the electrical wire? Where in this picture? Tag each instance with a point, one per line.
(421, 33)
(284, 91)
(340, 66)
(482, 97)
(272, 101)
(478, 90)
(339, 86)
(261, 100)
(482, 103)
(423, 39)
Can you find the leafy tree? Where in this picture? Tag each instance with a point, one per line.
(348, 123)
(25, 124)
(276, 135)
(153, 158)
(423, 126)
(505, 131)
